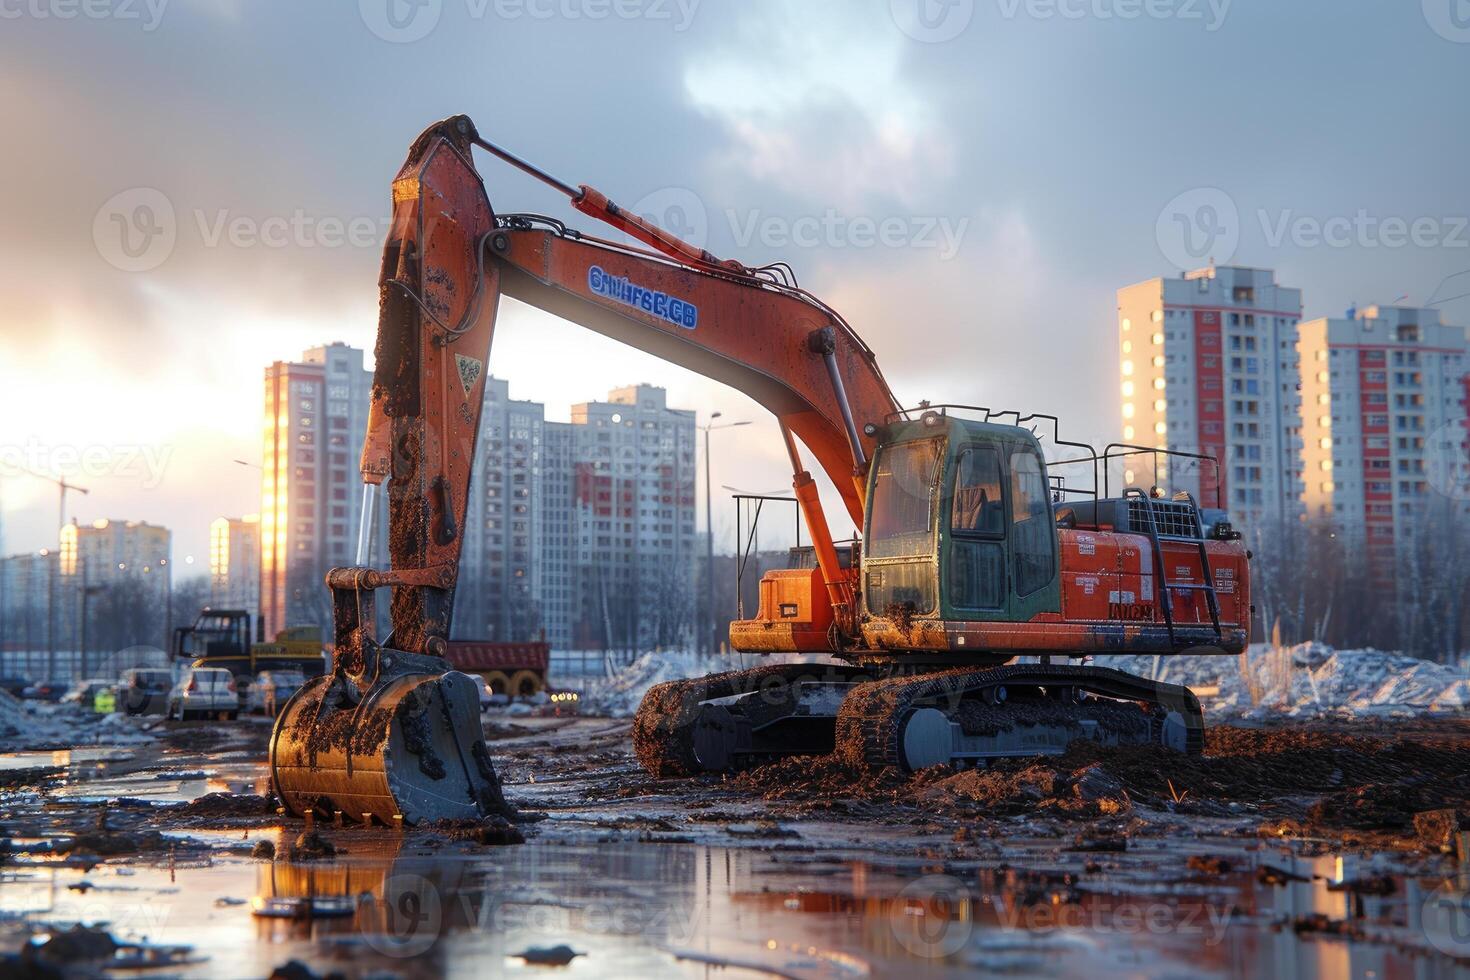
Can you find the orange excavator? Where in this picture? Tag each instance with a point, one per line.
(979, 570)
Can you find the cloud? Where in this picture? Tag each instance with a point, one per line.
(816, 101)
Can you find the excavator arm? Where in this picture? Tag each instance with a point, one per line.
(391, 734)
(447, 261)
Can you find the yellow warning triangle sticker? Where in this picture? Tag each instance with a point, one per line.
(469, 371)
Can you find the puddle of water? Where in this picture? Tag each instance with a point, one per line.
(80, 759)
(653, 910)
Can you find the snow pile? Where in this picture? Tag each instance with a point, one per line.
(12, 714)
(1310, 680)
(618, 696)
(26, 726)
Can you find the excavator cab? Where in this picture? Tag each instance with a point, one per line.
(959, 524)
(974, 552)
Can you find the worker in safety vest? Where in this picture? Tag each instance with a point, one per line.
(105, 702)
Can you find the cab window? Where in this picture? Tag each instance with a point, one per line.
(976, 506)
(901, 520)
(1032, 529)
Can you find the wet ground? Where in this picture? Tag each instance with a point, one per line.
(1306, 851)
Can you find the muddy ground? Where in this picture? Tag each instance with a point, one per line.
(1254, 812)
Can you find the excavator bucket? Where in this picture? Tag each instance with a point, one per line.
(409, 747)
(388, 736)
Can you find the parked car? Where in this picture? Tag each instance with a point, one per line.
(84, 693)
(144, 690)
(14, 685)
(273, 688)
(45, 691)
(204, 692)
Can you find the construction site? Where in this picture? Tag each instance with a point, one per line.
(1008, 691)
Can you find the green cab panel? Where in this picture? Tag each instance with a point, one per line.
(959, 524)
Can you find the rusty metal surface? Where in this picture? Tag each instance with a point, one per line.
(408, 748)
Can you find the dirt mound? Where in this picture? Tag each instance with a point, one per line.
(1326, 780)
(808, 777)
(229, 805)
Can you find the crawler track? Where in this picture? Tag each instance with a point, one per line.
(870, 723)
(663, 728)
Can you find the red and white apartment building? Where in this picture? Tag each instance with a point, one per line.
(1385, 394)
(1210, 366)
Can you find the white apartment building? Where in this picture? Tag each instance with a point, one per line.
(634, 496)
(1385, 395)
(583, 531)
(499, 595)
(1209, 366)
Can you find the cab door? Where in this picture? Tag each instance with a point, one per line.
(1032, 535)
(975, 563)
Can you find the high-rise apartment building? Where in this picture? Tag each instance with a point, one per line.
(28, 583)
(1209, 366)
(634, 495)
(1385, 423)
(311, 486)
(583, 531)
(499, 596)
(234, 563)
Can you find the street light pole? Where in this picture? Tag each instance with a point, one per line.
(709, 535)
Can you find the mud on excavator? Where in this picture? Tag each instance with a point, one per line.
(975, 553)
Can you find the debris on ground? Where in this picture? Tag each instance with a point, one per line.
(1207, 864)
(493, 831)
(297, 970)
(263, 849)
(559, 955)
(1437, 829)
(84, 949)
(229, 805)
(311, 846)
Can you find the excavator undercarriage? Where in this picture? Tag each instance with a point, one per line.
(973, 554)
(961, 717)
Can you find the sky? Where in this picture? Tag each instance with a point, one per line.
(196, 188)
